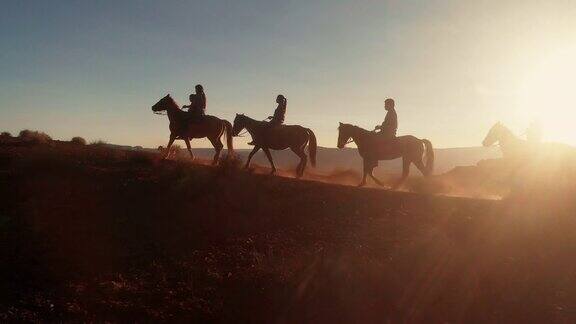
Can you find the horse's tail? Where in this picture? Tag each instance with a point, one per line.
(312, 146)
(429, 165)
(229, 142)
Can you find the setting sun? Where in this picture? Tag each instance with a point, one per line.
(548, 95)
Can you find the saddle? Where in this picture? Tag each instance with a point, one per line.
(194, 117)
(384, 142)
(269, 130)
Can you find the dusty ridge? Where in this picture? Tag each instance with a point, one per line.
(91, 233)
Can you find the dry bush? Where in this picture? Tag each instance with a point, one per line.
(175, 150)
(5, 137)
(34, 137)
(77, 140)
(230, 163)
(98, 142)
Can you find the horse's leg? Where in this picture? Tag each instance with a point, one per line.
(405, 172)
(366, 168)
(187, 140)
(254, 150)
(420, 165)
(371, 174)
(303, 160)
(170, 142)
(269, 156)
(217, 143)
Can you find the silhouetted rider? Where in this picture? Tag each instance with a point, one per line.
(279, 114)
(390, 124)
(278, 118)
(197, 106)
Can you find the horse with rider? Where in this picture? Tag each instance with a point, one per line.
(194, 123)
(274, 135)
(384, 144)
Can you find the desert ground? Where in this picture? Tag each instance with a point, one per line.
(93, 233)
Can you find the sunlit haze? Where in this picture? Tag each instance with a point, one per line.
(94, 69)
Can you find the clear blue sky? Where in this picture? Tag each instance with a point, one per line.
(94, 68)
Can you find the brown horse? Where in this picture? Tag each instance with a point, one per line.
(373, 148)
(264, 137)
(182, 128)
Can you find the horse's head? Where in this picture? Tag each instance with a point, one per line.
(239, 124)
(344, 134)
(164, 104)
(494, 135)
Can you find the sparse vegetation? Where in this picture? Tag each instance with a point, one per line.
(5, 135)
(34, 137)
(230, 163)
(77, 140)
(98, 142)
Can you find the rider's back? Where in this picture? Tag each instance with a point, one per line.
(390, 125)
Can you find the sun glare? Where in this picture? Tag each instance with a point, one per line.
(548, 96)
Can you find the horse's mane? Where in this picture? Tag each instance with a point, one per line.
(252, 119)
(358, 128)
(169, 97)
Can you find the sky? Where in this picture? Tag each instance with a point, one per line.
(95, 68)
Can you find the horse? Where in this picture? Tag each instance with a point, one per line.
(510, 144)
(373, 148)
(182, 128)
(281, 137)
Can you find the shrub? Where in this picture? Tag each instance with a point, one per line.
(34, 137)
(5, 137)
(77, 140)
(98, 143)
(230, 163)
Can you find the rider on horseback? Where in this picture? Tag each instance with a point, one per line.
(390, 125)
(279, 114)
(197, 106)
